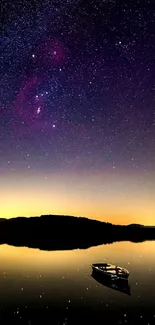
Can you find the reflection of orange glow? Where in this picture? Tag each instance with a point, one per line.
(117, 198)
(122, 253)
(26, 258)
(66, 275)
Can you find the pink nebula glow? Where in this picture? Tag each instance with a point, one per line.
(52, 52)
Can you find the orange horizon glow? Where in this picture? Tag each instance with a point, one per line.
(114, 197)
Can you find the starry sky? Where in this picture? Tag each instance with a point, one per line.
(77, 109)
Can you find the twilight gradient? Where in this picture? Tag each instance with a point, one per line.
(77, 119)
(114, 197)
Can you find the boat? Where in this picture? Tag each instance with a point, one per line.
(111, 271)
(117, 284)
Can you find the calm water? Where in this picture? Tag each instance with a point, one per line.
(40, 287)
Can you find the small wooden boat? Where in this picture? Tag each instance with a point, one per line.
(109, 270)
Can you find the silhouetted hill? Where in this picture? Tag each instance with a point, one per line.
(135, 225)
(51, 232)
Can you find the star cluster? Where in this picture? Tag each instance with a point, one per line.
(77, 85)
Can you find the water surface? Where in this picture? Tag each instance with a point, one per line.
(56, 287)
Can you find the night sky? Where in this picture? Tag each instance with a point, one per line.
(77, 109)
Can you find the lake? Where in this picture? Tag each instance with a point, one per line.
(56, 287)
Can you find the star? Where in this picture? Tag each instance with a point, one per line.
(38, 110)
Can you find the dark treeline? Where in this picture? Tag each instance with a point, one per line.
(51, 232)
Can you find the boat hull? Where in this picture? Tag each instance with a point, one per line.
(117, 284)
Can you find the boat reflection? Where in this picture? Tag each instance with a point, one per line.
(118, 284)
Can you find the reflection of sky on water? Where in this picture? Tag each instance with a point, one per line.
(63, 279)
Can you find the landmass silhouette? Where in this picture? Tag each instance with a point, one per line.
(55, 232)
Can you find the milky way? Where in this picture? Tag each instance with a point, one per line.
(77, 82)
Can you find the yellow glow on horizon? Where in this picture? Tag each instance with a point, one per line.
(120, 199)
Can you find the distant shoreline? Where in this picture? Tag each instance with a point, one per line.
(57, 232)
